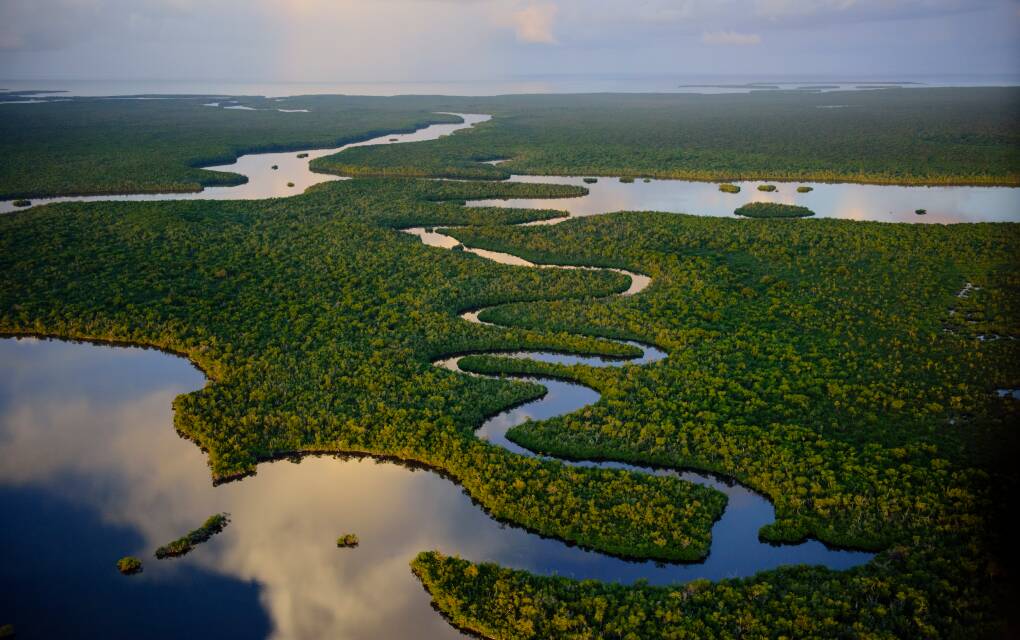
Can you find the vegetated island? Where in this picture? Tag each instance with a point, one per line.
(213, 525)
(970, 139)
(805, 189)
(773, 210)
(129, 565)
(21, 202)
(347, 540)
(767, 187)
(626, 179)
(835, 380)
(590, 180)
(729, 188)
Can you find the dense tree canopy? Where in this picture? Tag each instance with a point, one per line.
(916, 136)
(847, 370)
(317, 323)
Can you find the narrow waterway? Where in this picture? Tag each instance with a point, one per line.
(735, 535)
(266, 182)
(92, 469)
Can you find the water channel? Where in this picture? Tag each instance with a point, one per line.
(93, 470)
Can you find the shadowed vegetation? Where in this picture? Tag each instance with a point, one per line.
(818, 363)
(317, 324)
(828, 364)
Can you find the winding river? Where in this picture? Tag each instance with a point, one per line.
(92, 470)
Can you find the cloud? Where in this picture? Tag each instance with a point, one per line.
(730, 38)
(413, 40)
(534, 23)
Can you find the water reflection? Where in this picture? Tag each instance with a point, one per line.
(263, 180)
(92, 470)
(886, 203)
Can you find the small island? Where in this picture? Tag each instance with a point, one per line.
(302, 155)
(213, 525)
(22, 203)
(347, 541)
(773, 210)
(626, 179)
(591, 180)
(921, 212)
(275, 167)
(729, 188)
(290, 184)
(805, 189)
(129, 565)
(766, 187)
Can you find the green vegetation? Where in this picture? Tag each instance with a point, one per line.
(766, 187)
(626, 180)
(921, 212)
(347, 540)
(805, 189)
(213, 525)
(813, 363)
(302, 155)
(317, 323)
(927, 136)
(129, 565)
(93, 145)
(591, 180)
(792, 602)
(729, 188)
(922, 136)
(22, 203)
(275, 167)
(829, 365)
(290, 184)
(772, 210)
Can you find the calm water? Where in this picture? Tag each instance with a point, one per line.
(853, 201)
(93, 470)
(266, 182)
(884, 203)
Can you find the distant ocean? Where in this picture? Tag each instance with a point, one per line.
(514, 85)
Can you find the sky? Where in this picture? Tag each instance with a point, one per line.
(474, 40)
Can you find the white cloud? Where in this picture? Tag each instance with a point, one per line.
(731, 38)
(412, 40)
(534, 23)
